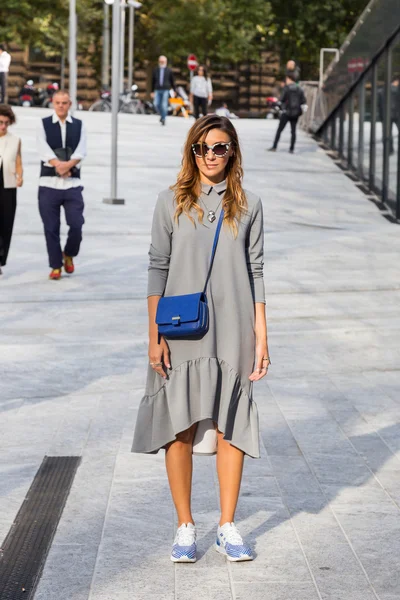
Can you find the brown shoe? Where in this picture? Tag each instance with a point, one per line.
(55, 274)
(68, 264)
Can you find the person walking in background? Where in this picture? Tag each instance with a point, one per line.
(61, 143)
(394, 109)
(5, 61)
(200, 92)
(204, 383)
(292, 70)
(11, 174)
(291, 100)
(162, 81)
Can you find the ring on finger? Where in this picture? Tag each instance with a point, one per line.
(155, 364)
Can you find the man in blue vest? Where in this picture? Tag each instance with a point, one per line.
(61, 143)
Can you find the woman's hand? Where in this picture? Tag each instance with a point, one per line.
(159, 356)
(262, 365)
(260, 329)
(20, 180)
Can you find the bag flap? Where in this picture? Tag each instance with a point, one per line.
(186, 307)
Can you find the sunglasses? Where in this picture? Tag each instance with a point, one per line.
(201, 149)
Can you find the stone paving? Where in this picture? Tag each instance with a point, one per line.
(321, 507)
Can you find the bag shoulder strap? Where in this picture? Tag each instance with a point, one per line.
(214, 248)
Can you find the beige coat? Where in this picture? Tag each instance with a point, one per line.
(9, 145)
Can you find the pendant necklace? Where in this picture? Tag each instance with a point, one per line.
(211, 213)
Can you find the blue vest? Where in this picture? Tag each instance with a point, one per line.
(54, 140)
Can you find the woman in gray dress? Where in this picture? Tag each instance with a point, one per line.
(192, 381)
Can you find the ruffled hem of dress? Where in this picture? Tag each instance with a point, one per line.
(198, 389)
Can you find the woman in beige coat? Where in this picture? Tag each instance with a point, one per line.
(10, 179)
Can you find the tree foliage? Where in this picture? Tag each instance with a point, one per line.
(43, 24)
(300, 29)
(219, 31)
(214, 30)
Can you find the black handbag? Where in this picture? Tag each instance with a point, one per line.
(64, 154)
(187, 315)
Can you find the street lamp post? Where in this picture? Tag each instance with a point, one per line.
(115, 82)
(72, 54)
(105, 75)
(132, 6)
(122, 51)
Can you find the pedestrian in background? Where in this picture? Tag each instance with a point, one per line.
(201, 91)
(291, 100)
(292, 70)
(162, 82)
(5, 61)
(394, 109)
(203, 384)
(61, 143)
(11, 174)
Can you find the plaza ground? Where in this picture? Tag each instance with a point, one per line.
(322, 506)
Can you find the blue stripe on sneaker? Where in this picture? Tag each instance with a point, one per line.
(181, 551)
(237, 551)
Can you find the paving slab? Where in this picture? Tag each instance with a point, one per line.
(322, 506)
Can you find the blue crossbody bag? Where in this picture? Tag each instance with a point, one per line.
(187, 315)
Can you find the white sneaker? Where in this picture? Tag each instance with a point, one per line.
(184, 548)
(230, 542)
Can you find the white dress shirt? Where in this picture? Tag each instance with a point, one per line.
(5, 60)
(46, 154)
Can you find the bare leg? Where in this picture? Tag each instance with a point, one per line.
(178, 460)
(230, 469)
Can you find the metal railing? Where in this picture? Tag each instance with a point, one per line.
(364, 127)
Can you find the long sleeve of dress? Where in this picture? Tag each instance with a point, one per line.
(255, 253)
(160, 249)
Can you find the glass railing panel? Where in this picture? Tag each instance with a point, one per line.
(394, 124)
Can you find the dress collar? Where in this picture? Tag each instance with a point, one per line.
(57, 120)
(218, 187)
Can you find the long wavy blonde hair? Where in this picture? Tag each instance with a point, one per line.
(188, 187)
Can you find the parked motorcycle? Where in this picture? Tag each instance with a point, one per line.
(149, 107)
(131, 103)
(273, 108)
(48, 93)
(28, 95)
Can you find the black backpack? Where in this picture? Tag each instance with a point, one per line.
(294, 100)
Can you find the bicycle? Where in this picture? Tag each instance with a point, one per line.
(129, 102)
(102, 105)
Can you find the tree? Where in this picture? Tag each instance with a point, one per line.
(38, 22)
(43, 24)
(299, 29)
(219, 31)
(215, 30)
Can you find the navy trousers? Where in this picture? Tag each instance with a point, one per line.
(50, 202)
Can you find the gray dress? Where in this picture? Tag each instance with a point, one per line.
(209, 377)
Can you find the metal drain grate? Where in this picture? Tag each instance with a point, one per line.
(25, 548)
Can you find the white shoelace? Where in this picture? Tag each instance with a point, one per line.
(185, 536)
(232, 536)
